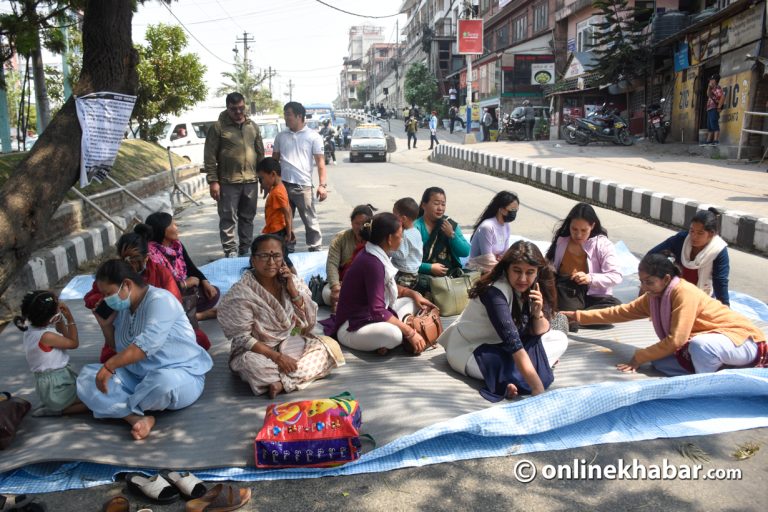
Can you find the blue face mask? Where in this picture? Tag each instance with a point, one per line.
(116, 303)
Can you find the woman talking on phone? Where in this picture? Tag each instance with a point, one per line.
(504, 337)
(268, 315)
(444, 243)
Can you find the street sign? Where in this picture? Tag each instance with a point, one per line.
(470, 37)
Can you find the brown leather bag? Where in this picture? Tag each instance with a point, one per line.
(12, 410)
(427, 323)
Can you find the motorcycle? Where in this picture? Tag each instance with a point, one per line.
(328, 147)
(658, 126)
(606, 126)
(514, 127)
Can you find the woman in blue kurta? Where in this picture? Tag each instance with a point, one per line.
(158, 365)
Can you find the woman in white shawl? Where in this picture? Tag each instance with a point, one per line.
(268, 315)
(701, 254)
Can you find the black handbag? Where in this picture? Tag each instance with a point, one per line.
(12, 411)
(570, 296)
(316, 285)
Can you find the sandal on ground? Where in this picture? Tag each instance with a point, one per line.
(117, 504)
(155, 488)
(20, 503)
(221, 498)
(190, 486)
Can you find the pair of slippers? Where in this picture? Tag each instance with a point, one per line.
(167, 486)
(20, 503)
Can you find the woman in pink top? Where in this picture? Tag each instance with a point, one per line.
(585, 261)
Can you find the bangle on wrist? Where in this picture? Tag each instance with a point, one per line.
(296, 299)
(107, 368)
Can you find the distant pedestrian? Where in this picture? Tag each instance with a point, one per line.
(296, 149)
(433, 130)
(411, 127)
(530, 119)
(453, 115)
(485, 123)
(453, 95)
(715, 99)
(233, 147)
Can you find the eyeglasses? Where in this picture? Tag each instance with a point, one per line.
(266, 256)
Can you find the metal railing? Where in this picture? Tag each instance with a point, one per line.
(744, 130)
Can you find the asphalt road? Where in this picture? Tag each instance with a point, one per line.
(490, 484)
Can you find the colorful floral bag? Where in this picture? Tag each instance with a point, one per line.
(310, 433)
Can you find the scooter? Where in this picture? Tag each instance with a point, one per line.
(658, 126)
(611, 128)
(328, 148)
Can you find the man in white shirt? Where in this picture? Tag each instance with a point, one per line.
(296, 149)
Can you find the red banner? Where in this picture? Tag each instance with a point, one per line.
(470, 37)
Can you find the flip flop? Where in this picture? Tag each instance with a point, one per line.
(190, 486)
(20, 503)
(117, 504)
(221, 498)
(155, 488)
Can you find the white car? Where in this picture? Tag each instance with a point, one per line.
(368, 143)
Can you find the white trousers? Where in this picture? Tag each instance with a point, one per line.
(555, 343)
(378, 335)
(709, 352)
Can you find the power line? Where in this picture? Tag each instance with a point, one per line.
(193, 35)
(355, 14)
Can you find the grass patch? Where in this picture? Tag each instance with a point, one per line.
(136, 159)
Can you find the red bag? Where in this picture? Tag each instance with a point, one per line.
(310, 433)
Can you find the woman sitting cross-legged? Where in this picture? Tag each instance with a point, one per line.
(490, 238)
(158, 365)
(585, 261)
(697, 333)
(504, 337)
(268, 315)
(371, 305)
(444, 244)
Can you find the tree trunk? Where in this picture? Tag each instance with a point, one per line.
(38, 185)
(41, 91)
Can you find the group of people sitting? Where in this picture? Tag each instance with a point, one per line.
(148, 302)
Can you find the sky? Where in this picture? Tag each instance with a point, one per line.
(303, 40)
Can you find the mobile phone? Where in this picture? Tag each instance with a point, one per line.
(103, 310)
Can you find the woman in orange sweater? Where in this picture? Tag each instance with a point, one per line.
(697, 334)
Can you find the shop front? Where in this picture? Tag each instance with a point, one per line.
(723, 49)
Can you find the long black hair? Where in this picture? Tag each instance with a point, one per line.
(581, 211)
(38, 307)
(427, 195)
(136, 243)
(528, 253)
(159, 222)
(116, 271)
(363, 209)
(500, 200)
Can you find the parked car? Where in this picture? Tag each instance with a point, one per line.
(368, 143)
(185, 134)
(270, 126)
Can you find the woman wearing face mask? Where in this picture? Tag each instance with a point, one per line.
(585, 261)
(504, 336)
(343, 248)
(701, 254)
(697, 334)
(491, 232)
(133, 249)
(158, 365)
(371, 305)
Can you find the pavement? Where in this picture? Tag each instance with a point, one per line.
(489, 484)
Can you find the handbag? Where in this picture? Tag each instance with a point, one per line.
(316, 285)
(427, 323)
(310, 433)
(450, 293)
(12, 411)
(570, 296)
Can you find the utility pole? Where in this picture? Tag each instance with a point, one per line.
(245, 40)
(290, 90)
(270, 81)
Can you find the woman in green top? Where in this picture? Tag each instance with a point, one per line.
(443, 242)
